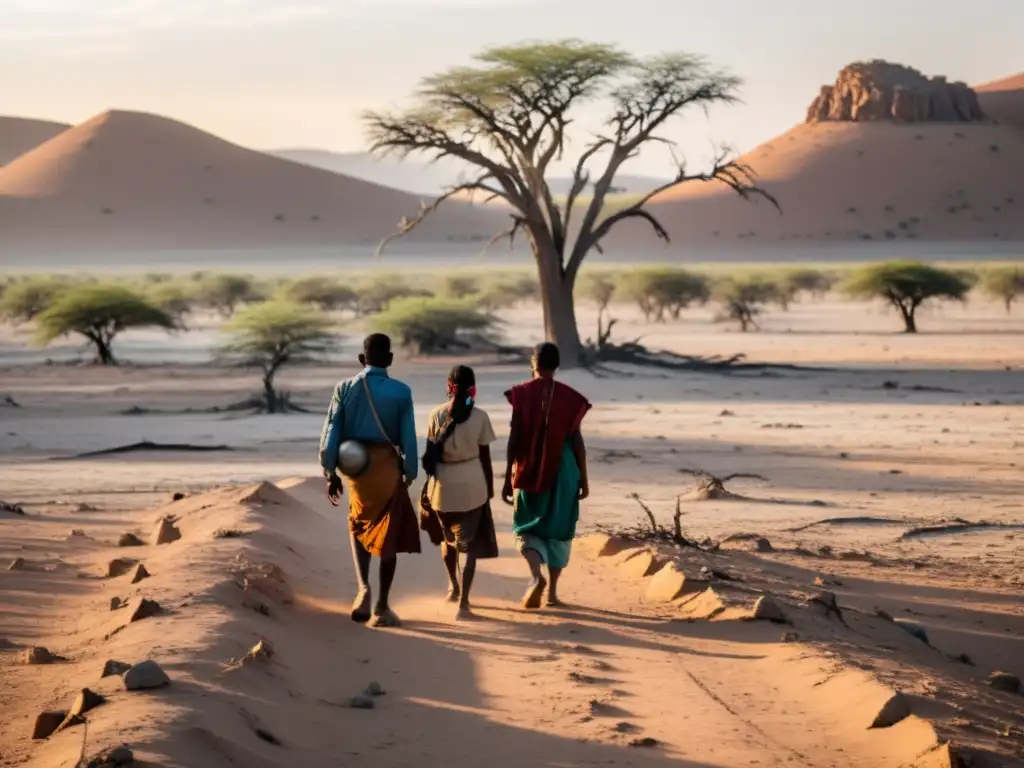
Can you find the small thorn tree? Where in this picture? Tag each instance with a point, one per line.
(99, 313)
(271, 335)
(1003, 283)
(509, 117)
(907, 285)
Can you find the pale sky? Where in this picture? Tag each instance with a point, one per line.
(270, 74)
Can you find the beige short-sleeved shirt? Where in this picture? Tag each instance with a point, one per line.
(460, 485)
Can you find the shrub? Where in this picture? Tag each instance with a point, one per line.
(598, 288)
(459, 287)
(426, 326)
(99, 313)
(662, 291)
(224, 293)
(271, 335)
(743, 298)
(22, 301)
(176, 298)
(1004, 284)
(507, 292)
(907, 285)
(814, 282)
(327, 294)
(377, 294)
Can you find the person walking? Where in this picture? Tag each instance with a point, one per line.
(377, 411)
(460, 487)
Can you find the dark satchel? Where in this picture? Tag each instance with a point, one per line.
(434, 452)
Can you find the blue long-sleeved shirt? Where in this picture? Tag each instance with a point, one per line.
(350, 418)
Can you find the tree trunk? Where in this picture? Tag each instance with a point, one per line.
(909, 321)
(559, 307)
(269, 394)
(104, 352)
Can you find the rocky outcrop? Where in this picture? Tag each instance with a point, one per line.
(878, 90)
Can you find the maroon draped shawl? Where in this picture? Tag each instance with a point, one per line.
(538, 446)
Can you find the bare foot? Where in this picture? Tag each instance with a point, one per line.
(465, 613)
(554, 602)
(532, 598)
(454, 594)
(384, 617)
(361, 606)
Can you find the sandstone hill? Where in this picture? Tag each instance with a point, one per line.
(18, 135)
(885, 154)
(135, 180)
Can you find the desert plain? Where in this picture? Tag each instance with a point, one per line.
(849, 608)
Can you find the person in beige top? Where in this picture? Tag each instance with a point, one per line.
(458, 493)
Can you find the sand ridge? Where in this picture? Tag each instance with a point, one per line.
(129, 179)
(19, 135)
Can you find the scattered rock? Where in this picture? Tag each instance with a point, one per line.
(85, 701)
(231, 533)
(726, 412)
(177, 496)
(40, 655)
(827, 581)
(11, 509)
(119, 567)
(766, 609)
(883, 614)
(667, 585)
(894, 710)
(374, 689)
(47, 723)
(120, 755)
(790, 637)
(268, 579)
(827, 600)
(145, 675)
(83, 507)
(115, 668)
(77, 532)
(1005, 681)
(963, 658)
(139, 573)
(17, 564)
(116, 603)
(143, 608)
(129, 540)
(646, 742)
(915, 629)
(166, 532)
(362, 701)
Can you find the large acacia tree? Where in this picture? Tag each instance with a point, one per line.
(509, 117)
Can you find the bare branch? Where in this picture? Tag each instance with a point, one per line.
(517, 223)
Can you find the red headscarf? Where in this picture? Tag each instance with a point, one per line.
(540, 431)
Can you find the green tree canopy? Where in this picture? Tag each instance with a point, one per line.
(271, 335)
(325, 293)
(907, 285)
(660, 292)
(743, 298)
(24, 299)
(1003, 283)
(224, 293)
(99, 313)
(509, 116)
(427, 326)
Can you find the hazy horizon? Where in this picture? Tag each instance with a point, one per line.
(269, 77)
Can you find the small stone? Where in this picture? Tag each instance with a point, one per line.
(143, 608)
(361, 702)
(85, 701)
(39, 655)
(766, 609)
(139, 573)
(963, 658)
(915, 629)
(894, 710)
(119, 567)
(1005, 681)
(116, 603)
(763, 545)
(77, 532)
(374, 689)
(115, 668)
(165, 532)
(883, 614)
(129, 540)
(827, 600)
(177, 496)
(120, 755)
(47, 723)
(145, 675)
(17, 564)
(646, 742)
(790, 637)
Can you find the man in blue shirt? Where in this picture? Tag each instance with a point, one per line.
(377, 411)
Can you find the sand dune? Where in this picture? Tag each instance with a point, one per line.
(1003, 100)
(858, 181)
(133, 180)
(18, 135)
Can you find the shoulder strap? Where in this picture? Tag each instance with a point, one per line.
(376, 416)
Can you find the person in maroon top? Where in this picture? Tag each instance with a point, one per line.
(546, 472)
